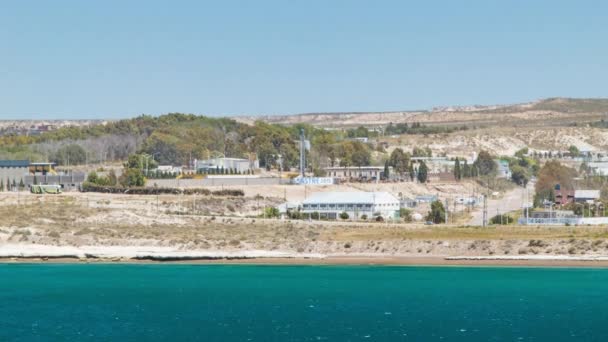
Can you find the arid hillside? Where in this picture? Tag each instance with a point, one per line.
(549, 112)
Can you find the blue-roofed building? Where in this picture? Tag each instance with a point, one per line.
(13, 170)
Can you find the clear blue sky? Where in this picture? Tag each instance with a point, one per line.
(115, 59)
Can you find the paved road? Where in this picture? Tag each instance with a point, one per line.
(512, 200)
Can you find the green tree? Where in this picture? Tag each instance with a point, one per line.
(574, 151)
(399, 160)
(405, 214)
(519, 175)
(386, 170)
(522, 152)
(71, 154)
(501, 219)
(422, 172)
(553, 173)
(344, 215)
(466, 170)
(485, 164)
(437, 212)
(543, 195)
(142, 162)
(271, 212)
(93, 177)
(411, 172)
(457, 170)
(132, 177)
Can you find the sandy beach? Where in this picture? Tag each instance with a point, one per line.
(145, 255)
(124, 229)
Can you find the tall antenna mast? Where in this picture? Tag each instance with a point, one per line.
(302, 153)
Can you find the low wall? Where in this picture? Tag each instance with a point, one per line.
(215, 181)
(564, 221)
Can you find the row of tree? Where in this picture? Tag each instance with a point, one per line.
(12, 185)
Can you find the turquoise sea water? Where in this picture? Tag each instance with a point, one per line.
(300, 303)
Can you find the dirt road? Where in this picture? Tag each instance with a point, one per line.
(512, 200)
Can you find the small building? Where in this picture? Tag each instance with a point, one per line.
(406, 202)
(13, 170)
(586, 196)
(356, 172)
(239, 165)
(552, 214)
(23, 172)
(364, 140)
(169, 169)
(330, 205)
(426, 198)
(503, 170)
(441, 177)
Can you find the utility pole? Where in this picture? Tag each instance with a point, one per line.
(485, 211)
(302, 153)
(447, 209)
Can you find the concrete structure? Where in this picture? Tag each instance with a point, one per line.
(426, 198)
(586, 196)
(503, 170)
(356, 172)
(439, 177)
(239, 180)
(169, 169)
(238, 164)
(17, 171)
(437, 165)
(329, 205)
(552, 214)
(13, 170)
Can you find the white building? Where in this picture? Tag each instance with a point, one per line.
(586, 196)
(356, 204)
(356, 172)
(238, 164)
(503, 169)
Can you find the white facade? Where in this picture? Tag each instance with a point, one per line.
(355, 172)
(586, 195)
(356, 204)
(238, 164)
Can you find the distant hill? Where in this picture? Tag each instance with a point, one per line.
(561, 111)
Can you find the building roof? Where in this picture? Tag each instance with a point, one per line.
(354, 168)
(14, 163)
(223, 158)
(350, 197)
(587, 194)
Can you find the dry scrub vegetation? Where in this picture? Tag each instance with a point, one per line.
(69, 220)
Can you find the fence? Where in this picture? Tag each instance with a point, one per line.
(563, 221)
(216, 181)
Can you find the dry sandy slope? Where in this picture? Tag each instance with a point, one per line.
(65, 221)
(505, 140)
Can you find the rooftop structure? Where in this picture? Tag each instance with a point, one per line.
(586, 195)
(14, 163)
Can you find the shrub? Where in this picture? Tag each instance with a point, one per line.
(344, 215)
(364, 217)
(405, 214)
(502, 219)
